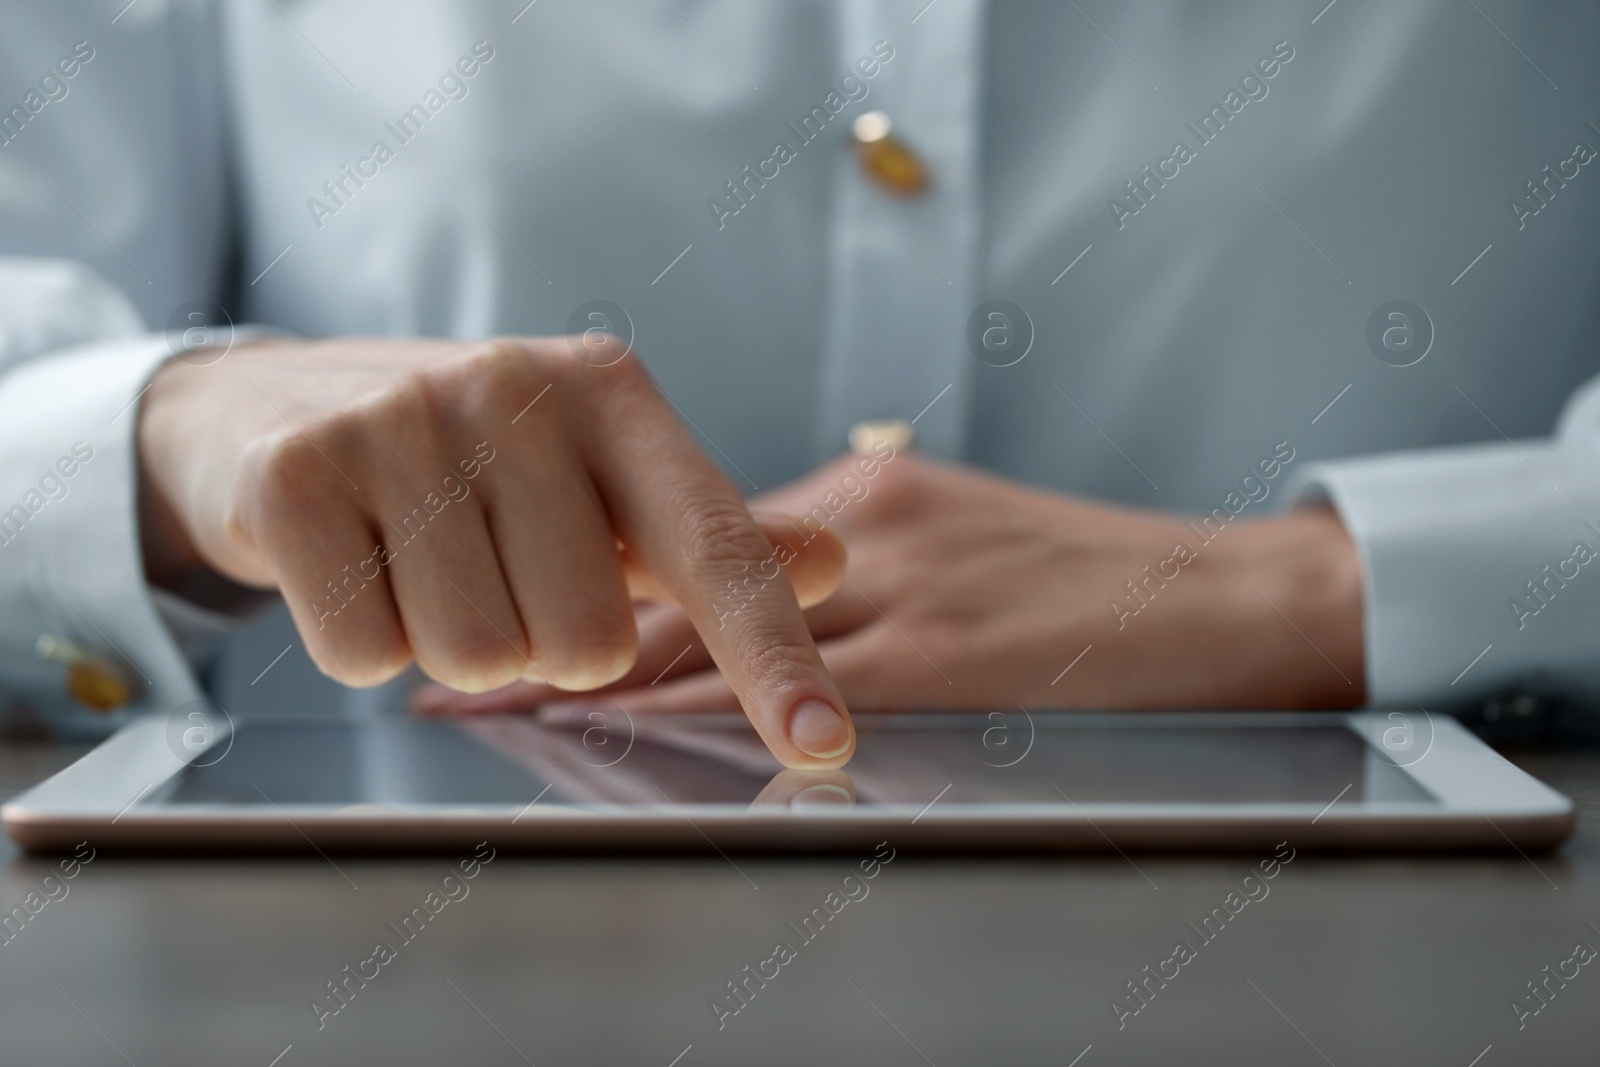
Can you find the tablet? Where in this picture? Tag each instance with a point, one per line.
(998, 779)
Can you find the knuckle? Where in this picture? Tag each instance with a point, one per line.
(720, 537)
(779, 659)
(491, 372)
(241, 524)
(597, 349)
(626, 364)
(602, 373)
(285, 468)
(300, 465)
(501, 359)
(412, 402)
(517, 357)
(607, 362)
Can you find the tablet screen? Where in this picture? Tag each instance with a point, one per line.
(616, 759)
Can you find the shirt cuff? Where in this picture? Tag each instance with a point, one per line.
(70, 559)
(1478, 563)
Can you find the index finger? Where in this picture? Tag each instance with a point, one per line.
(680, 517)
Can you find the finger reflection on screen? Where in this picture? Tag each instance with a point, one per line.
(808, 789)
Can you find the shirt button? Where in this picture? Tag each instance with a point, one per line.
(885, 158)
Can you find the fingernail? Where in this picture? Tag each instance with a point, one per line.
(818, 730)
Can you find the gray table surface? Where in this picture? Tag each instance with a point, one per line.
(947, 960)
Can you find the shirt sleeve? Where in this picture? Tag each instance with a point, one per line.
(115, 218)
(70, 563)
(1480, 563)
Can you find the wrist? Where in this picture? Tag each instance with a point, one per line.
(169, 553)
(1302, 602)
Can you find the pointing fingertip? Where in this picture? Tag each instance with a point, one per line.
(819, 730)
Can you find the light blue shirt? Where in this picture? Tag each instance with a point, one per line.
(1199, 216)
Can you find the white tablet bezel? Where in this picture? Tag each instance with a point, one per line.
(1482, 801)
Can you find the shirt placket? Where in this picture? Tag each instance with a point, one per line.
(901, 277)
